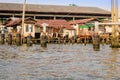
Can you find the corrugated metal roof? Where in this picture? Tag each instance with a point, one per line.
(52, 8)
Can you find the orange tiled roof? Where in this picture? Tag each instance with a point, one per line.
(81, 21)
(15, 21)
(55, 23)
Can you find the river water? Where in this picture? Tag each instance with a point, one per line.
(59, 62)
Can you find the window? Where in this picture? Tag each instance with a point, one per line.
(37, 29)
(27, 28)
(31, 28)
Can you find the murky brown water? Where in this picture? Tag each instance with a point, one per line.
(59, 62)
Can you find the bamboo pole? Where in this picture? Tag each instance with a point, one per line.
(112, 15)
(23, 19)
(116, 14)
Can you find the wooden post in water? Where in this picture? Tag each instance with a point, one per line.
(43, 40)
(29, 40)
(29, 37)
(9, 36)
(2, 35)
(96, 38)
(96, 42)
(10, 39)
(2, 38)
(18, 39)
(18, 36)
(114, 15)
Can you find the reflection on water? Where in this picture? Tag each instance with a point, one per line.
(59, 62)
(113, 65)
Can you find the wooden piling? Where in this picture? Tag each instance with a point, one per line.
(96, 42)
(114, 15)
(43, 40)
(2, 38)
(115, 42)
(18, 39)
(78, 40)
(85, 40)
(9, 39)
(29, 40)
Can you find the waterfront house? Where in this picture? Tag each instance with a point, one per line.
(70, 31)
(55, 27)
(108, 28)
(82, 27)
(29, 26)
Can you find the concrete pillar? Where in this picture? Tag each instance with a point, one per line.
(54, 17)
(73, 18)
(44, 27)
(10, 29)
(96, 27)
(18, 29)
(13, 15)
(34, 17)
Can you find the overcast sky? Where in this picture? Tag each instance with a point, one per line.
(105, 4)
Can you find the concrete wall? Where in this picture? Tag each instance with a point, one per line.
(108, 29)
(76, 28)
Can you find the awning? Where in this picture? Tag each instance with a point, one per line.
(90, 24)
(83, 26)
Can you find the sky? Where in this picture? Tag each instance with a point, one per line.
(104, 4)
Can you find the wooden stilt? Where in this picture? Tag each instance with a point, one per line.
(9, 39)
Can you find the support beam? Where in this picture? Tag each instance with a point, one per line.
(111, 23)
(73, 18)
(13, 15)
(54, 17)
(34, 17)
(32, 14)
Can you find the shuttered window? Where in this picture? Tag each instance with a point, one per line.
(27, 28)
